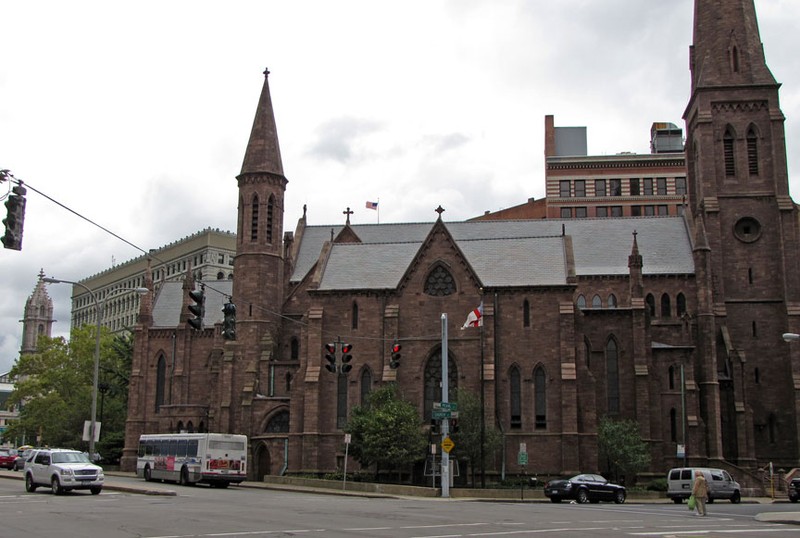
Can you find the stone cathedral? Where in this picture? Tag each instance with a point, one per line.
(672, 321)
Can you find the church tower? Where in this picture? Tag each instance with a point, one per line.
(38, 318)
(746, 241)
(259, 262)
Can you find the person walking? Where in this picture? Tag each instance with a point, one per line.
(700, 492)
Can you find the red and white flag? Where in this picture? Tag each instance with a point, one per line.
(372, 205)
(475, 318)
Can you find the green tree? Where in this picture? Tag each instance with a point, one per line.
(622, 447)
(387, 432)
(54, 388)
(468, 438)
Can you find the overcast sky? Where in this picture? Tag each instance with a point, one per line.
(137, 114)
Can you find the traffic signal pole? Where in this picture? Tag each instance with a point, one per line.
(445, 421)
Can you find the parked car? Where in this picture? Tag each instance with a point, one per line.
(23, 456)
(7, 458)
(794, 489)
(720, 484)
(585, 488)
(62, 470)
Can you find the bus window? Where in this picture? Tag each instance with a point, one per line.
(192, 448)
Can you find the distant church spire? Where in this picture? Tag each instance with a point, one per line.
(727, 46)
(263, 152)
(38, 318)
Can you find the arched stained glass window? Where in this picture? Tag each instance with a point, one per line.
(440, 282)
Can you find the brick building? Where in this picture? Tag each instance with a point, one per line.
(583, 317)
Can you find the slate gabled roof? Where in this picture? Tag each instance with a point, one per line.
(502, 253)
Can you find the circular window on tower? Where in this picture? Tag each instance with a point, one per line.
(747, 229)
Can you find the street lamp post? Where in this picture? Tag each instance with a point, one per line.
(791, 337)
(99, 307)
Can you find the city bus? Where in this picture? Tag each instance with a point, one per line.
(217, 459)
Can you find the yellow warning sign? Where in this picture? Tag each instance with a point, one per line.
(448, 444)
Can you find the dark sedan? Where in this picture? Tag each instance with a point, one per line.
(794, 490)
(585, 488)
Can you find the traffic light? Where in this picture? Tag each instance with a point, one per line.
(395, 361)
(229, 321)
(197, 309)
(330, 356)
(15, 217)
(435, 426)
(346, 358)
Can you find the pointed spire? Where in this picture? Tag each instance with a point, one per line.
(635, 264)
(263, 153)
(146, 300)
(727, 46)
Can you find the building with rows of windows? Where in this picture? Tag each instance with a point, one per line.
(670, 317)
(209, 252)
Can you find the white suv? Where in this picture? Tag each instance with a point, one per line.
(62, 470)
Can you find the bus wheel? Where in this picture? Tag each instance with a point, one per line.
(222, 485)
(148, 474)
(184, 479)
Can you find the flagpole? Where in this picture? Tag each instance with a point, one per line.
(483, 411)
(379, 210)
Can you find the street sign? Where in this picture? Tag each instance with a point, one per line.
(522, 458)
(443, 413)
(448, 444)
(445, 406)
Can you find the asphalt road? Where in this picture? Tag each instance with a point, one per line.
(203, 512)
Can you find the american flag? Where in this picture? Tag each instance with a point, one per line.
(372, 205)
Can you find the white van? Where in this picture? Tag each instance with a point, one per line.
(720, 484)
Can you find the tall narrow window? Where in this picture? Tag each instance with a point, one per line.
(270, 217)
(433, 381)
(161, 377)
(648, 186)
(615, 187)
(587, 353)
(254, 219)
(735, 59)
(580, 187)
(752, 152)
(563, 188)
(294, 349)
(650, 301)
(673, 425)
(540, 398)
(526, 313)
(597, 302)
(727, 150)
(581, 302)
(666, 306)
(354, 321)
(671, 376)
(612, 301)
(680, 302)
(516, 397)
(661, 186)
(341, 401)
(680, 185)
(634, 185)
(366, 386)
(612, 377)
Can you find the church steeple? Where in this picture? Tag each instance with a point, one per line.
(38, 318)
(727, 46)
(263, 153)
